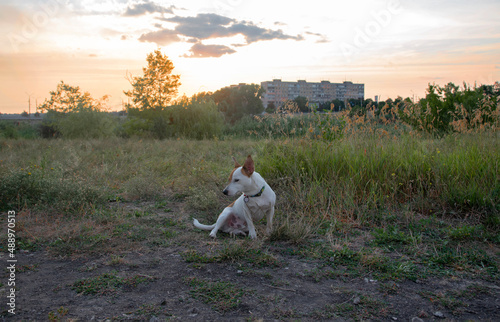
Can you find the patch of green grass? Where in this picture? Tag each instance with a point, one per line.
(108, 283)
(169, 222)
(122, 229)
(27, 244)
(221, 296)
(463, 258)
(169, 234)
(36, 187)
(475, 290)
(388, 288)
(367, 308)
(192, 256)
(344, 256)
(464, 232)
(116, 260)
(234, 252)
(318, 274)
(163, 205)
(139, 213)
(384, 268)
(82, 243)
(390, 236)
(25, 268)
(58, 315)
(446, 299)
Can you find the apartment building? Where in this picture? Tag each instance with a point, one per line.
(278, 91)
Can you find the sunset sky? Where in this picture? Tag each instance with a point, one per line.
(393, 47)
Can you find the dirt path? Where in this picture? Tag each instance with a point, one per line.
(296, 289)
(175, 272)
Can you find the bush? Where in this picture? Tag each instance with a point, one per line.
(16, 130)
(22, 188)
(192, 120)
(84, 123)
(196, 120)
(449, 109)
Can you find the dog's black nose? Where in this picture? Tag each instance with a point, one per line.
(225, 192)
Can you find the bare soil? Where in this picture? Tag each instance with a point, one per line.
(282, 286)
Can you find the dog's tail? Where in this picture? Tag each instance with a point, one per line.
(197, 224)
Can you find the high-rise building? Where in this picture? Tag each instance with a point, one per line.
(279, 92)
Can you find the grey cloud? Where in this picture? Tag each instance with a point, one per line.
(254, 33)
(145, 7)
(208, 26)
(161, 37)
(323, 38)
(205, 26)
(199, 50)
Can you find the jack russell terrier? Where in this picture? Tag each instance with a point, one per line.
(257, 200)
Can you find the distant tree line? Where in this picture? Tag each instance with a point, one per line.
(154, 112)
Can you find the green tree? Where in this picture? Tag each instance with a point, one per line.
(302, 103)
(74, 114)
(67, 98)
(271, 108)
(157, 87)
(236, 102)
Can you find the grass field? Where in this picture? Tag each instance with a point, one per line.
(379, 206)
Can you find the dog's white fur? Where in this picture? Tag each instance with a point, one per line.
(252, 205)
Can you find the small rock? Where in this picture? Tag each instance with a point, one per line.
(193, 311)
(239, 272)
(394, 318)
(356, 300)
(415, 319)
(439, 314)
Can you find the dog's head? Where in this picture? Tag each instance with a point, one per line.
(239, 180)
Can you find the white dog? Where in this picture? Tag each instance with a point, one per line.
(257, 200)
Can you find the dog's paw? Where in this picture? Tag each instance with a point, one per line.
(253, 235)
(213, 235)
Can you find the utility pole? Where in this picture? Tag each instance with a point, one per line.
(29, 104)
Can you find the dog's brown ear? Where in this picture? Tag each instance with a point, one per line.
(236, 164)
(249, 166)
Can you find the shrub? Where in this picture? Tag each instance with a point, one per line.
(449, 109)
(22, 188)
(16, 130)
(192, 120)
(87, 124)
(196, 120)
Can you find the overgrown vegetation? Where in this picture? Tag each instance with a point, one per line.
(153, 112)
(367, 205)
(108, 283)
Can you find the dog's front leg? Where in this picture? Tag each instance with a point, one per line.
(251, 227)
(269, 219)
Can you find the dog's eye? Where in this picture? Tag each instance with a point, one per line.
(236, 180)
